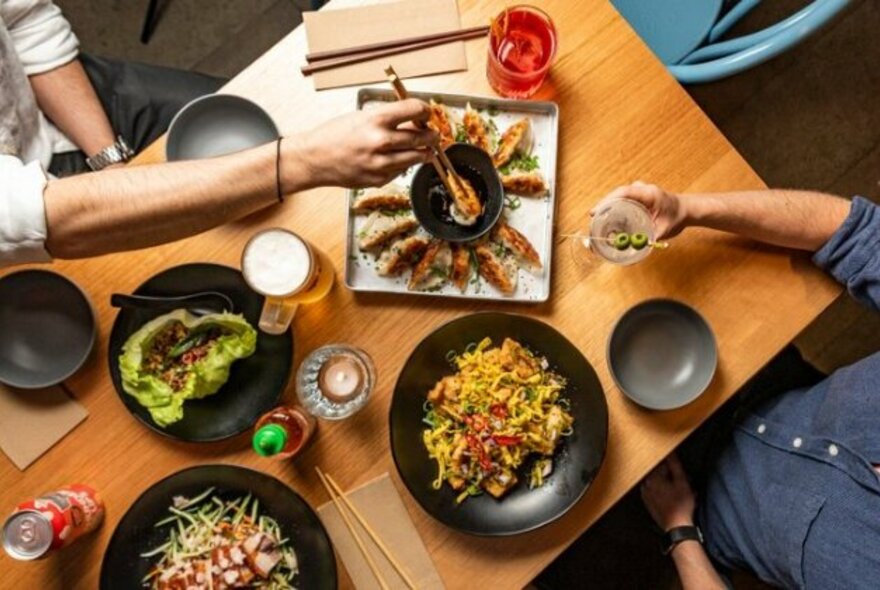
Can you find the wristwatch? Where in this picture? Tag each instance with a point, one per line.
(112, 154)
(679, 534)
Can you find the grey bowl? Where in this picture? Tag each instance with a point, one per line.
(662, 354)
(215, 125)
(47, 329)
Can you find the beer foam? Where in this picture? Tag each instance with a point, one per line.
(276, 263)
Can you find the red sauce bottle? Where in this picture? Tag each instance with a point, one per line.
(283, 432)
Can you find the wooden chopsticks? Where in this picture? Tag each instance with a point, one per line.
(439, 159)
(336, 494)
(326, 60)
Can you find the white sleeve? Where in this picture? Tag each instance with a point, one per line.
(22, 212)
(41, 35)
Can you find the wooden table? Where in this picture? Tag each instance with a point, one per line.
(622, 118)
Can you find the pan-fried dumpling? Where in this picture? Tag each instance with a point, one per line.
(390, 197)
(434, 267)
(466, 206)
(402, 253)
(498, 269)
(517, 139)
(475, 129)
(525, 184)
(381, 226)
(439, 122)
(461, 266)
(518, 244)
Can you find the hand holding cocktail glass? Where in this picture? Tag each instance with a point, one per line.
(627, 225)
(667, 209)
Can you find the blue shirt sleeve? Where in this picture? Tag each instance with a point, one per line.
(852, 255)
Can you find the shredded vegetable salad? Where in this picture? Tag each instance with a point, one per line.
(217, 544)
(501, 406)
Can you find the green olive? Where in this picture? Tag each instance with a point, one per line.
(621, 241)
(639, 241)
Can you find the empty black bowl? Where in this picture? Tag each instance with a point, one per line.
(575, 464)
(215, 125)
(431, 207)
(136, 533)
(47, 329)
(662, 354)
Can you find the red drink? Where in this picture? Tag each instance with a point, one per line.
(522, 45)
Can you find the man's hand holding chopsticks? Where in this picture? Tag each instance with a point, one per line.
(368, 148)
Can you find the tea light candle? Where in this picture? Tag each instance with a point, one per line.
(340, 378)
(335, 381)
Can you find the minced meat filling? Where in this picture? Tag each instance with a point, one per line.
(175, 349)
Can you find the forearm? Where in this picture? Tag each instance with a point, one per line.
(137, 207)
(694, 568)
(792, 219)
(67, 98)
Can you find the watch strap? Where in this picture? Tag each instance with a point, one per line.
(112, 154)
(679, 534)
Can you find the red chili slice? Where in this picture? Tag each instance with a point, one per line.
(506, 441)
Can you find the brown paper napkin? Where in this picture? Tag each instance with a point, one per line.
(32, 421)
(380, 505)
(349, 27)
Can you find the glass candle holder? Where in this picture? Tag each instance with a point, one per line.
(335, 381)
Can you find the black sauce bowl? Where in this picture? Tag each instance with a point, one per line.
(431, 207)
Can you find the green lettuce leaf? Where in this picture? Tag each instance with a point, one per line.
(207, 375)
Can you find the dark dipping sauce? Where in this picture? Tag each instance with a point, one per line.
(440, 200)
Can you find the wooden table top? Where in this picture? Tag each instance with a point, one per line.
(622, 118)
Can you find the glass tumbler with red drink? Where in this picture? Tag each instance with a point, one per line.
(522, 46)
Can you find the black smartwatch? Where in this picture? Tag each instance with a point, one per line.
(679, 534)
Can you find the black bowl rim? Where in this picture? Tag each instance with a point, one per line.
(575, 499)
(496, 178)
(195, 103)
(248, 472)
(93, 336)
(676, 304)
(149, 423)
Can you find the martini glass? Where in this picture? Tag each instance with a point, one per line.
(621, 232)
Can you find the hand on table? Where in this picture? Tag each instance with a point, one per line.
(667, 209)
(366, 148)
(668, 495)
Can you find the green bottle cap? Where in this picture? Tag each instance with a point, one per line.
(269, 440)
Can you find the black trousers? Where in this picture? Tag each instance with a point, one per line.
(140, 100)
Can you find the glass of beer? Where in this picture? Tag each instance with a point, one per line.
(288, 271)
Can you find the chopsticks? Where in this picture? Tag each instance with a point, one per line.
(439, 159)
(336, 494)
(326, 60)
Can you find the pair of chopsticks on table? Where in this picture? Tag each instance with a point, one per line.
(336, 58)
(339, 499)
(439, 159)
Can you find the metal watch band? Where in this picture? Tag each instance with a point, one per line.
(679, 534)
(112, 154)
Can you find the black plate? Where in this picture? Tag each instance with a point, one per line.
(255, 383)
(575, 464)
(474, 165)
(123, 567)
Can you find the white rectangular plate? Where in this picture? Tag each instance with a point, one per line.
(533, 218)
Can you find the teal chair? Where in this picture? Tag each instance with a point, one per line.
(686, 34)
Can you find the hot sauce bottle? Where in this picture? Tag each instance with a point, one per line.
(283, 432)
